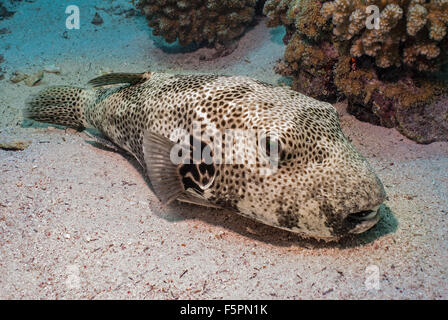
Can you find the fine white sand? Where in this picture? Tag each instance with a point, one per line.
(80, 221)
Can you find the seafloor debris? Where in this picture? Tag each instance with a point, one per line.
(52, 69)
(34, 79)
(18, 76)
(386, 72)
(30, 80)
(15, 145)
(97, 20)
(199, 21)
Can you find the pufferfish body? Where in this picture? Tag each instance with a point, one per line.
(265, 152)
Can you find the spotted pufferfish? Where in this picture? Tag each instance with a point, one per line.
(322, 187)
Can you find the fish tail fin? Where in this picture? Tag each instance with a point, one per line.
(61, 105)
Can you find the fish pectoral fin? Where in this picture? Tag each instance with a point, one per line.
(120, 78)
(197, 200)
(104, 142)
(173, 173)
(162, 172)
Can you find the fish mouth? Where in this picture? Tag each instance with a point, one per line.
(363, 220)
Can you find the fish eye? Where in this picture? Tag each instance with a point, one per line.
(271, 147)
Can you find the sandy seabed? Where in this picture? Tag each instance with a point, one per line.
(80, 221)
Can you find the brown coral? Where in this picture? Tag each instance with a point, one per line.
(417, 18)
(402, 25)
(198, 21)
(337, 48)
(304, 25)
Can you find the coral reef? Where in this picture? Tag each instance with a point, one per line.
(199, 21)
(309, 58)
(383, 67)
(408, 32)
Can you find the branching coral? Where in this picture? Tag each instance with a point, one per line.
(401, 25)
(380, 63)
(198, 21)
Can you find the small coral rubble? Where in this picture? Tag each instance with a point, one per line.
(338, 48)
(199, 21)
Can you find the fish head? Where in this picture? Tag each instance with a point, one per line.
(301, 173)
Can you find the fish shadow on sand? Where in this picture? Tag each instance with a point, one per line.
(241, 225)
(246, 227)
(274, 236)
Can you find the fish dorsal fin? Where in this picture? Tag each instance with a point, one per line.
(175, 177)
(119, 78)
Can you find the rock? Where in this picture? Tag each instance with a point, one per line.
(97, 20)
(18, 76)
(34, 79)
(425, 123)
(16, 145)
(421, 120)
